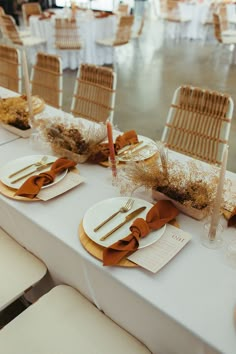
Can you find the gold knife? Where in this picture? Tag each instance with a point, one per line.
(128, 148)
(127, 219)
(30, 173)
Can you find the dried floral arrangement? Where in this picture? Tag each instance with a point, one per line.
(14, 110)
(184, 182)
(69, 137)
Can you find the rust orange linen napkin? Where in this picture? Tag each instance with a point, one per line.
(102, 151)
(33, 184)
(160, 214)
(128, 138)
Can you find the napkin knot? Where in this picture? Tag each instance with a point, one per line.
(32, 185)
(160, 214)
(139, 228)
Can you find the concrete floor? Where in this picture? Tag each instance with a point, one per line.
(150, 68)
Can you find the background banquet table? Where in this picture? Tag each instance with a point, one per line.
(198, 14)
(187, 307)
(90, 29)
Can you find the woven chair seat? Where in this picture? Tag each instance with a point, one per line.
(107, 41)
(177, 19)
(32, 41)
(68, 45)
(24, 33)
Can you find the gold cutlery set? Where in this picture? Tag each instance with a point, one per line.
(131, 150)
(39, 166)
(125, 208)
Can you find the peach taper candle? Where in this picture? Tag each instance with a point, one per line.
(111, 149)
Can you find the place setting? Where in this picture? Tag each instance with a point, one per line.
(38, 177)
(131, 232)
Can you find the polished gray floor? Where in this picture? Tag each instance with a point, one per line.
(150, 68)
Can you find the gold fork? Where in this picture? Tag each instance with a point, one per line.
(128, 205)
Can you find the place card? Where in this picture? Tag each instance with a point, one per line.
(70, 181)
(154, 257)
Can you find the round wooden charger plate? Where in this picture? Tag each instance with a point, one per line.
(97, 250)
(10, 192)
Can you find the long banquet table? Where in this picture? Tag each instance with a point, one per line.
(187, 307)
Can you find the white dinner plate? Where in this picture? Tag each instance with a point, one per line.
(102, 210)
(15, 165)
(144, 151)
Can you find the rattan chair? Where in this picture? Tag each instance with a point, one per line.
(67, 35)
(47, 79)
(123, 33)
(63, 321)
(10, 68)
(19, 270)
(198, 123)
(29, 9)
(223, 16)
(94, 93)
(12, 35)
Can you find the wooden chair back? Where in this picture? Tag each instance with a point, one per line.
(67, 34)
(124, 30)
(172, 5)
(217, 27)
(198, 123)
(94, 93)
(29, 9)
(9, 30)
(47, 79)
(10, 68)
(123, 9)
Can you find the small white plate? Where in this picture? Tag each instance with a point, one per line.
(144, 151)
(15, 165)
(100, 211)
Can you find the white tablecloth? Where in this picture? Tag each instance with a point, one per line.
(90, 29)
(6, 136)
(185, 308)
